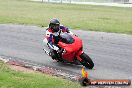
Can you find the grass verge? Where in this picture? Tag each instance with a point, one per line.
(16, 79)
(85, 17)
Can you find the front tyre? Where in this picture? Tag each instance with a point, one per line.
(86, 61)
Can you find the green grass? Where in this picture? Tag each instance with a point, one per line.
(14, 79)
(85, 17)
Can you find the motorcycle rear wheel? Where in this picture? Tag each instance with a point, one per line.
(86, 61)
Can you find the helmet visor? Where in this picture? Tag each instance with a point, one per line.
(56, 27)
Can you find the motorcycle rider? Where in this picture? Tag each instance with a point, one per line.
(52, 32)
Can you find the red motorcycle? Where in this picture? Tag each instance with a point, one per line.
(72, 51)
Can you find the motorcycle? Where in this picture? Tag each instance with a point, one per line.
(71, 48)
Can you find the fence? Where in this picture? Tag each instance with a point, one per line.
(97, 1)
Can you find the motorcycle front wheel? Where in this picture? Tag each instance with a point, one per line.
(86, 61)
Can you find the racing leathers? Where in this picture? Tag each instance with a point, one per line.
(52, 39)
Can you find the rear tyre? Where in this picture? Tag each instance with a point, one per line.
(87, 61)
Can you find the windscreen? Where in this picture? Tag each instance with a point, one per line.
(66, 38)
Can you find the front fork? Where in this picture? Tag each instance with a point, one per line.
(78, 55)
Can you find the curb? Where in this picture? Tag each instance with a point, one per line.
(42, 69)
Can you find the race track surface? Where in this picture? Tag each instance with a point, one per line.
(111, 53)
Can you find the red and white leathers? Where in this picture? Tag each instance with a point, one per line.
(51, 38)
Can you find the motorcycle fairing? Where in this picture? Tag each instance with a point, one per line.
(72, 50)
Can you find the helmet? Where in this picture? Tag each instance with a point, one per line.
(54, 25)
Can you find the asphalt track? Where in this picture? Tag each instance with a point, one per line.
(111, 53)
